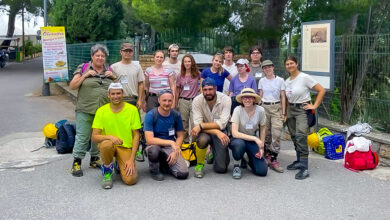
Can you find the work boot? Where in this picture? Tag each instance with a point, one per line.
(157, 175)
(95, 163)
(303, 172)
(296, 164)
(107, 176)
(76, 168)
(199, 171)
(237, 172)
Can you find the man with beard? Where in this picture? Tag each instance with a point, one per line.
(173, 63)
(116, 130)
(211, 112)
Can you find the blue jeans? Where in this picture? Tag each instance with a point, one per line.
(240, 146)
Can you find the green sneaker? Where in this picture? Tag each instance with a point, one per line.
(199, 173)
(210, 157)
(139, 156)
(107, 180)
(76, 169)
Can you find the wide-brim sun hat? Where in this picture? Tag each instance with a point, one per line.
(248, 92)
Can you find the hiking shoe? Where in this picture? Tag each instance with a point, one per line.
(275, 166)
(95, 163)
(199, 173)
(244, 163)
(139, 156)
(107, 180)
(157, 175)
(76, 169)
(268, 160)
(237, 172)
(296, 165)
(209, 157)
(302, 174)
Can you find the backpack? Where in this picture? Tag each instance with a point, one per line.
(323, 132)
(66, 136)
(334, 146)
(355, 160)
(188, 152)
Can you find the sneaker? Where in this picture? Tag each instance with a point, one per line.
(139, 156)
(268, 160)
(209, 157)
(275, 166)
(76, 169)
(157, 175)
(199, 173)
(244, 163)
(237, 172)
(107, 180)
(302, 174)
(296, 165)
(95, 163)
(116, 167)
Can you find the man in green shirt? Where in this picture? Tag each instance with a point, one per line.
(116, 130)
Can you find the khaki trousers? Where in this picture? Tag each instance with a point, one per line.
(273, 127)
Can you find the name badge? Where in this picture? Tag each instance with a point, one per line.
(186, 87)
(171, 132)
(258, 75)
(249, 126)
(164, 83)
(124, 81)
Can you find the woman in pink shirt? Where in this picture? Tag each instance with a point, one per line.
(157, 79)
(187, 87)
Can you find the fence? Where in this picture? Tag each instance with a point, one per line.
(362, 70)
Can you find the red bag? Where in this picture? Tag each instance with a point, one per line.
(360, 160)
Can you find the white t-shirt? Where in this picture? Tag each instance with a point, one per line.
(232, 69)
(174, 67)
(129, 76)
(271, 88)
(298, 89)
(248, 125)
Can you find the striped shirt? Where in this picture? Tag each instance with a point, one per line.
(158, 81)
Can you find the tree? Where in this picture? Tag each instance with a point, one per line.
(14, 7)
(88, 20)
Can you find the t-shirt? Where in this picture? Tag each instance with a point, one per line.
(174, 67)
(118, 124)
(236, 85)
(271, 88)
(248, 125)
(219, 78)
(158, 81)
(233, 71)
(256, 72)
(163, 125)
(298, 89)
(189, 87)
(129, 75)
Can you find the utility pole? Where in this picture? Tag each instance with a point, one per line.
(24, 46)
(46, 86)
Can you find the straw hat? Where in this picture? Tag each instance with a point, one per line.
(248, 92)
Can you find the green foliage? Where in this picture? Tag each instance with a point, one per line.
(31, 49)
(88, 20)
(197, 14)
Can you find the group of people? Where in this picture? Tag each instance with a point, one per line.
(241, 106)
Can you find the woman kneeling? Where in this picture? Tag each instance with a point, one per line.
(247, 120)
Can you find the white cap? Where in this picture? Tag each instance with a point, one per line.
(115, 86)
(242, 61)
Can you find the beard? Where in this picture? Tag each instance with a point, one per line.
(209, 97)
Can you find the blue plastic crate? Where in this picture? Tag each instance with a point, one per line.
(334, 146)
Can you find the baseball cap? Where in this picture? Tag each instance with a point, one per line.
(242, 61)
(127, 46)
(165, 91)
(115, 86)
(266, 63)
(209, 82)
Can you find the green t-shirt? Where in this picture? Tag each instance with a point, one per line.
(118, 124)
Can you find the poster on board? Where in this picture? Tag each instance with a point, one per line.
(55, 66)
(318, 51)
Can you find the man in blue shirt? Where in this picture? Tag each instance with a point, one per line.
(164, 135)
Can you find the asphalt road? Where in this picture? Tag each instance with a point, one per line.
(49, 191)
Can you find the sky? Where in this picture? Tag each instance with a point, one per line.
(30, 27)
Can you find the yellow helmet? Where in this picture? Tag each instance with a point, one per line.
(313, 140)
(50, 131)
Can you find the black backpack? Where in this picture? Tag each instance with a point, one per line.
(66, 136)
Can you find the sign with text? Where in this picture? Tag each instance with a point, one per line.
(55, 66)
(318, 51)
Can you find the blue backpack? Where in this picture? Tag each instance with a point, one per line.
(66, 136)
